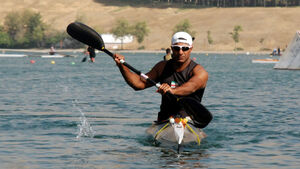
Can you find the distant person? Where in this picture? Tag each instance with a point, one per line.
(86, 53)
(52, 51)
(278, 51)
(91, 53)
(168, 55)
(274, 52)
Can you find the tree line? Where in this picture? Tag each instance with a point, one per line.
(140, 30)
(27, 30)
(123, 28)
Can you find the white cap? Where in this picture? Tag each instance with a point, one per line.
(182, 37)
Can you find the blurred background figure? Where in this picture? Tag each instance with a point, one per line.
(91, 53)
(168, 55)
(52, 51)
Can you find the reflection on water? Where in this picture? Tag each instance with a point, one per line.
(186, 159)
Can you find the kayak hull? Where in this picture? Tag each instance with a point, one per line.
(265, 60)
(13, 55)
(56, 56)
(53, 56)
(164, 133)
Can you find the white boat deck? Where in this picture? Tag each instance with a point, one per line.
(267, 60)
(13, 55)
(53, 56)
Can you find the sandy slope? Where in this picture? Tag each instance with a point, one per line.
(276, 25)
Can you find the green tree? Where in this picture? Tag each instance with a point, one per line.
(4, 38)
(209, 38)
(140, 30)
(38, 36)
(235, 34)
(35, 28)
(13, 24)
(184, 26)
(25, 28)
(54, 36)
(121, 29)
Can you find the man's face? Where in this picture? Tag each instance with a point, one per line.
(181, 52)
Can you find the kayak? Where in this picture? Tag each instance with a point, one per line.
(13, 55)
(56, 56)
(178, 131)
(53, 56)
(267, 60)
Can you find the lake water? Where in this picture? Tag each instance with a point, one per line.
(83, 115)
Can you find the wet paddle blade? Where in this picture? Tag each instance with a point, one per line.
(86, 35)
(198, 113)
(84, 59)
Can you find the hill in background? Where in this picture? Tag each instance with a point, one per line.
(275, 26)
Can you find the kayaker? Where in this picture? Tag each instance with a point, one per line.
(92, 53)
(180, 76)
(52, 51)
(168, 55)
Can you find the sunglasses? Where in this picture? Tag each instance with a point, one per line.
(178, 48)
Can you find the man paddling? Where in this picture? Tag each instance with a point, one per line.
(91, 53)
(168, 55)
(52, 51)
(180, 76)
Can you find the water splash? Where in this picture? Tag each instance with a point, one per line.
(84, 128)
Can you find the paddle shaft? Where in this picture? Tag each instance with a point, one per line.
(133, 69)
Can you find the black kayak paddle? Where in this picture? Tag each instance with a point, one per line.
(84, 59)
(83, 33)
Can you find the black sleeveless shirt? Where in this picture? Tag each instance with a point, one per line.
(168, 106)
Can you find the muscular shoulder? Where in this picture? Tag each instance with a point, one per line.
(199, 68)
(157, 70)
(159, 67)
(200, 72)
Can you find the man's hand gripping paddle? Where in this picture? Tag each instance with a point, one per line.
(198, 113)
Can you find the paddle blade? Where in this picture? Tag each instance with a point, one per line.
(83, 60)
(86, 35)
(198, 113)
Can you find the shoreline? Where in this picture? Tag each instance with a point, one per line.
(135, 51)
